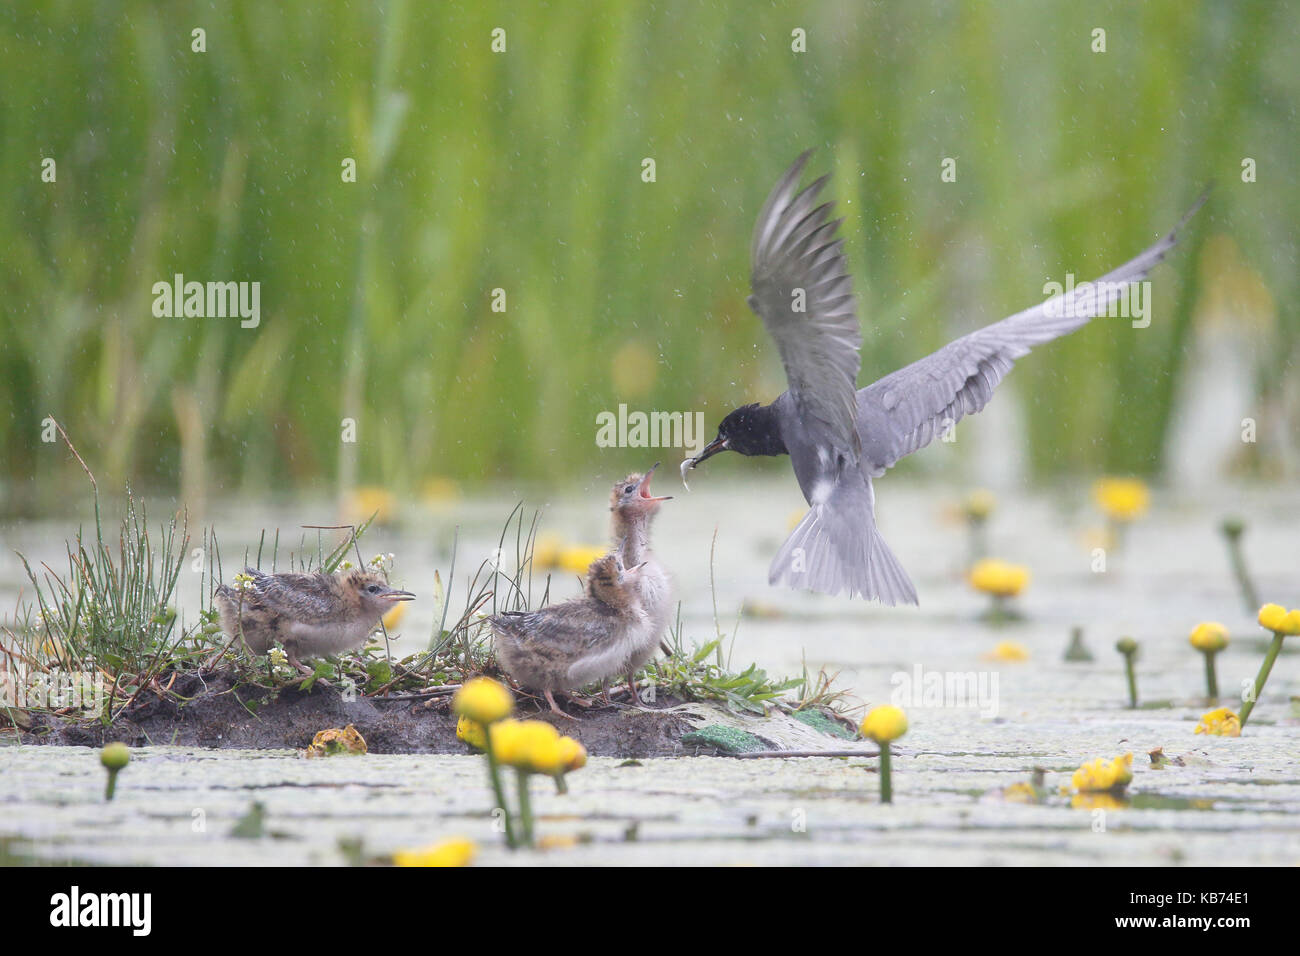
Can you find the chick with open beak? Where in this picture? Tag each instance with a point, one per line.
(633, 507)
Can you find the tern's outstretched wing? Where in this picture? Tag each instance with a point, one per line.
(906, 409)
(803, 294)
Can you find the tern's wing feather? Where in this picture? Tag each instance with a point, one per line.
(906, 409)
(803, 294)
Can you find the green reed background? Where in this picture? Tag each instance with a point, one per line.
(522, 171)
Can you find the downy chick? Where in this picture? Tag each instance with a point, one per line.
(582, 641)
(309, 614)
(633, 509)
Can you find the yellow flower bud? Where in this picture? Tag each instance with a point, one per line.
(979, 504)
(484, 700)
(999, 577)
(1122, 499)
(115, 756)
(884, 724)
(1209, 637)
(1008, 651)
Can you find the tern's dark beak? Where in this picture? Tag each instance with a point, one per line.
(712, 448)
(395, 595)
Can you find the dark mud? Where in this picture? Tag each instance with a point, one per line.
(214, 711)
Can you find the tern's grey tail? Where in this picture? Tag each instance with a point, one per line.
(837, 548)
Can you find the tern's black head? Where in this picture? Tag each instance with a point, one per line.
(750, 430)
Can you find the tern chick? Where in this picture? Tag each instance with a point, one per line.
(582, 641)
(633, 509)
(309, 614)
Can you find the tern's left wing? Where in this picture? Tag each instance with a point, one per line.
(804, 296)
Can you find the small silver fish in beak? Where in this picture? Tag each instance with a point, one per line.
(712, 448)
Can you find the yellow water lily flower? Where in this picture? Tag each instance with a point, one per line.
(1102, 775)
(484, 700)
(369, 500)
(551, 552)
(455, 852)
(999, 578)
(471, 732)
(1008, 651)
(1026, 791)
(1023, 792)
(439, 491)
(1220, 722)
(395, 615)
(1279, 620)
(532, 745)
(573, 755)
(1209, 637)
(1122, 499)
(884, 724)
(335, 741)
(542, 753)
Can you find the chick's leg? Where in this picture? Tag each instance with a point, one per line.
(555, 708)
(291, 652)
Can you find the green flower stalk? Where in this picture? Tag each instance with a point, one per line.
(114, 757)
(977, 507)
(1283, 624)
(1264, 670)
(525, 806)
(498, 791)
(1233, 529)
(1210, 637)
(486, 702)
(885, 725)
(1129, 648)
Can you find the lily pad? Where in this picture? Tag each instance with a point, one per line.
(727, 739)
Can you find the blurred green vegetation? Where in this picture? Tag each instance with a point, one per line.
(522, 171)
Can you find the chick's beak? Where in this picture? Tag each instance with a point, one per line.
(393, 594)
(644, 488)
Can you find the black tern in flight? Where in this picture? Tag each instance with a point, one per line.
(838, 436)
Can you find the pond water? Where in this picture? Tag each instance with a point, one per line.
(1230, 801)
